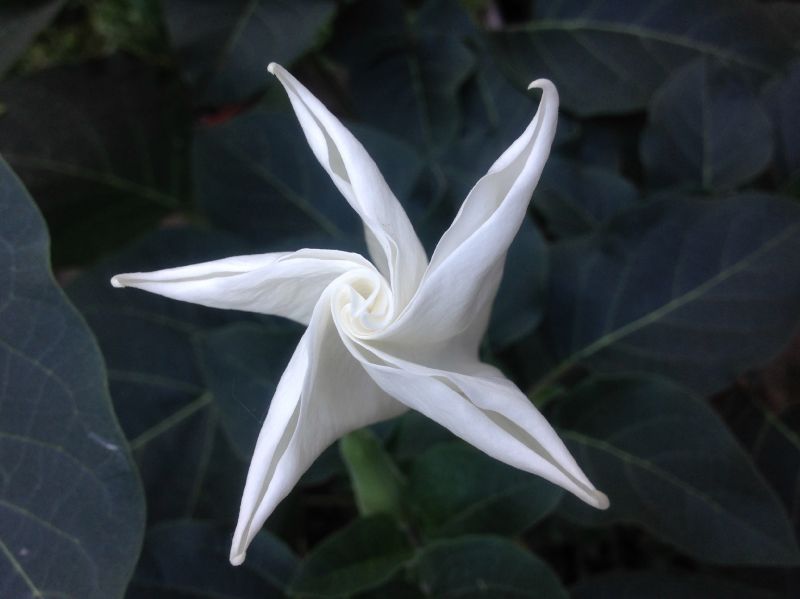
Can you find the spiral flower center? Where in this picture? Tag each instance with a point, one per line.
(363, 301)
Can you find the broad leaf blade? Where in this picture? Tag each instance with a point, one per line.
(224, 47)
(706, 129)
(190, 558)
(70, 500)
(609, 57)
(475, 567)
(457, 490)
(696, 290)
(102, 147)
(149, 343)
(362, 556)
(668, 463)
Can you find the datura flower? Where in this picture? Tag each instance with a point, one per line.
(384, 336)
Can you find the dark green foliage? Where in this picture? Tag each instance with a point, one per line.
(643, 304)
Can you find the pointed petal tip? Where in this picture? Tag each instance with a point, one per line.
(601, 501)
(238, 558)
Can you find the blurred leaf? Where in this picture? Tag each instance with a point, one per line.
(101, 146)
(657, 585)
(20, 23)
(375, 479)
(189, 559)
(256, 176)
(415, 434)
(522, 296)
(609, 57)
(458, 490)
(224, 47)
(576, 199)
(70, 501)
(365, 554)
(697, 290)
(405, 68)
(781, 99)
(668, 463)
(150, 346)
(705, 129)
(473, 567)
(243, 363)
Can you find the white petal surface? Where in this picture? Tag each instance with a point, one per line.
(323, 394)
(393, 244)
(466, 267)
(285, 284)
(477, 403)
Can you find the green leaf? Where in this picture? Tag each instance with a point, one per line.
(189, 559)
(696, 290)
(472, 567)
(102, 148)
(256, 176)
(242, 364)
(406, 68)
(70, 501)
(668, 463)
(20, 23)
(705, 129)
(361, 556)
(781, 97)
(415, 434)
(656, 585)
(224, 47)
(609, 57)
(458, 490)
(150, 346)
(376, 481)
(576, 199)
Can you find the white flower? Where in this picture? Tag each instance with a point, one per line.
(397, 333)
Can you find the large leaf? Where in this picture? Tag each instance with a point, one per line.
(457, 490)
(189, 559)
(20, 22)
(256, 176)
(705, 129)
(70, 501)
(362, 556)
(224, 47)
(668, 463)
(697, 290)
(609, 57)
(781, 97)
(101, 146)
(656, 585)
(576, 199)
(406, 68)
(150, 345)
(475, 567)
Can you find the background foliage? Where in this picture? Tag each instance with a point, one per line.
(649, 305)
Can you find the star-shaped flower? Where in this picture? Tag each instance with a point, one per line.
(383, 336)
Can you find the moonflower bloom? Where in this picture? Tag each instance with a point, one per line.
(384, 336)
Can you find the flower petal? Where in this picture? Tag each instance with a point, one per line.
(323, 394)
(477, 403)
(393, 244)
(466, 267)
(285, 284)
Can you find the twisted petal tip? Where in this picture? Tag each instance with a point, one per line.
(271, 67)
(544, 84)
(116, 282)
